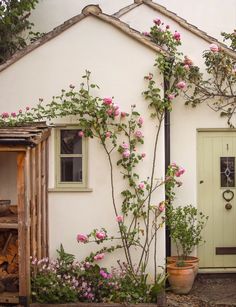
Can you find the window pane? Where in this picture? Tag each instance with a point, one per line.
(71, 142)
(227, 171)
(71, 169)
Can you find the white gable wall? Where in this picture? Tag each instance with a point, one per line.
(118, 64)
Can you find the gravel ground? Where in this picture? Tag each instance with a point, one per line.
(208, 290)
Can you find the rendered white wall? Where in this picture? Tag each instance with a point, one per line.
(212, 16)
(51, 13)
(8, 175)
(118, 66)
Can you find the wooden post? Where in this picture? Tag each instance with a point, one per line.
(43, 199)
(23, 227)
(39, 199)
(33, 205)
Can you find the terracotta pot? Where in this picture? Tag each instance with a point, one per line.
(181, 278)
(189, 260)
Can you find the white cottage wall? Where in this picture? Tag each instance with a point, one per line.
(118, 64)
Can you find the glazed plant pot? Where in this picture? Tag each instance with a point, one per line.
(181, 278)
(189, 260)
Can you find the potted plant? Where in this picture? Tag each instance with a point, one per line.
(185, 225)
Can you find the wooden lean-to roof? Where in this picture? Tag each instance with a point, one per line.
(29, 135)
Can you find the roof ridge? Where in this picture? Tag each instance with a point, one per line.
(181, 21)
(90, 10)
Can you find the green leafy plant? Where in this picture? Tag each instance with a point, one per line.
(185, 225)
(15, 27)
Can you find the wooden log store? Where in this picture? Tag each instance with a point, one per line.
(23, 207)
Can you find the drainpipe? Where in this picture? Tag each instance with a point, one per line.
(167, 160)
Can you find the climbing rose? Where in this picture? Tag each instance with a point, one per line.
(13, 114)
(81, 134)
(171, 96)
(20, 111)
(119, 218)
(125, 145)
(143, 155)
(188, 61)
(100, 235)
(181, 85)
(140, 120)
(157, 21)
(161, 206)
(109, 112)
(27, 108)
(107, 101)
(176, 36)
(5, 115)
(146, 33)
(126, 154)
(186, 67)
(82, 238)
(123, 114)
(141, 185)
(214, 48)
(99, 256)
(138, 134)
(108, 134)
(180, 172)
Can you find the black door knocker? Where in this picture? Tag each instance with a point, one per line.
(228, 195)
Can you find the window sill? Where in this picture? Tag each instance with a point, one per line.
(70, 190)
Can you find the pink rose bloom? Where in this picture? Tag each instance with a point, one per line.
(123, 114)
(109, 112)
(99, 256)
(214, 48)
(143, 155)
(20, 111)
(141, 185)
(180, 172)
(146, 33)
(116, 112)
(108, 134)
(5, 115)
(125, 145)
(100, 235)
(140, 120)
(171, 96)
(173, 164)
(82, 238)
(176, 36)
(81, 134)
(181, 85)
(119, 218)
(27, 108)
(115, 106)
(13, 114)
(187, 61)
(161, 207)
(107, 101)
(150, 76)
(126, 154)
(157, 21)
(167, 27)
(186, 67)
(138, 134)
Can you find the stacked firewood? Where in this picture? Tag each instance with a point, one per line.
(9, 261)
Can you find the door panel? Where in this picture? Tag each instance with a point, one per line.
(220, 231)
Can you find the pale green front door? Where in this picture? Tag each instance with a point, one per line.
(216, 156)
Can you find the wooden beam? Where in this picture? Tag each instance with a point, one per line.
(33, 211)
(12, 148)
(46, 183)
(39, 199)
(43, 198)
